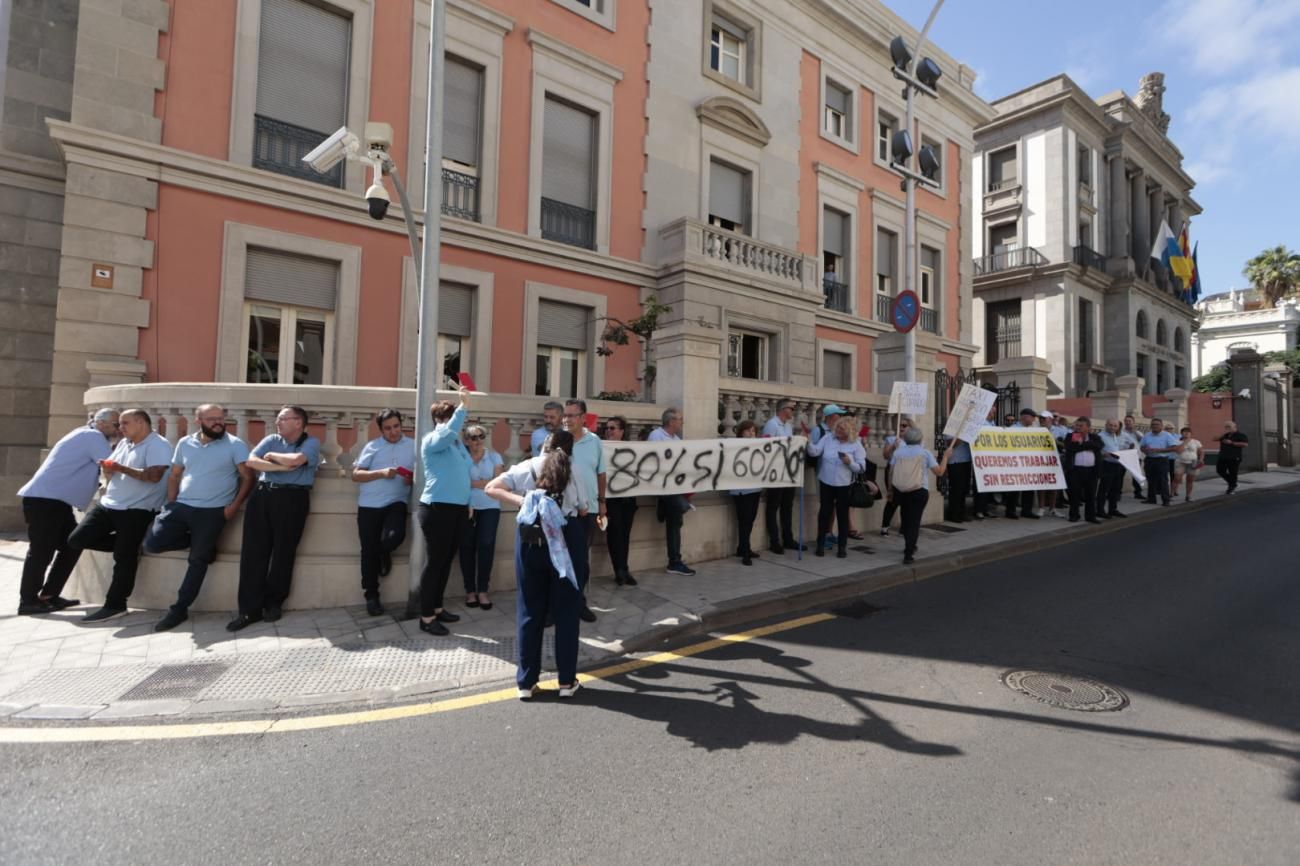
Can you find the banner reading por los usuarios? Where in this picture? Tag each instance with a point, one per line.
(698, 465)
(1015, 459)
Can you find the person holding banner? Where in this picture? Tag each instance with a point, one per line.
(1025, 498)
(910, 467)
(1111, 486)
(841, 456)
(672, 508)
(1080, 454)
(622, 511)
(746, 501)
(780, 500)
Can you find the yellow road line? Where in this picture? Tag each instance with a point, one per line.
(111, 733)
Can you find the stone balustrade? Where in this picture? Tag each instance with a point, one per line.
(691, 241)
(740, 399)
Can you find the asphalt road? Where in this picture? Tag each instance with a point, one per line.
(884, 735)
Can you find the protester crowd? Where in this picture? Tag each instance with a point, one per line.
(158, 498)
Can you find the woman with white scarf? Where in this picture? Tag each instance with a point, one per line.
(547, 496)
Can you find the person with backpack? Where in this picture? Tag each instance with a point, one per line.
(910, 466)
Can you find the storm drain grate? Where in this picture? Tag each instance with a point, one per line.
(942, 527)
(1066, 691)
(177, 682)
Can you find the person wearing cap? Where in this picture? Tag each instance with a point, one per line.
(1025, 498)
(830, 412)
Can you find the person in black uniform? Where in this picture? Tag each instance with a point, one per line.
(1232, 445)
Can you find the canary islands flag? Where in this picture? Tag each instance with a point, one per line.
(1182, 265)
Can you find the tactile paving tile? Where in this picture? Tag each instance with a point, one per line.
(80, 686)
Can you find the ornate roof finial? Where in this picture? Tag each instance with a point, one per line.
(1150, 100)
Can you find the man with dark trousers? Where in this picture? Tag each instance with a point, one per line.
(118, 522)
(1081, 459)
(1232, 445)
(66, 480)
(385, 471)
(589, 455)
(780, 500)
(1161, 448)
(1023, 498)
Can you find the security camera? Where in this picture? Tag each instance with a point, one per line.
(377, 195)
(332, 150)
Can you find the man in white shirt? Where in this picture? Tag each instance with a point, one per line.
(589, 454)
(778, 512)
(671, 508)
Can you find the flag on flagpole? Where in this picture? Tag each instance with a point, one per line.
(1181, 264)
(1166, 245)
(1196, 276)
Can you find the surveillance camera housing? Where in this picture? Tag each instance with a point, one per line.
(377, 200)
(379, 136)
(332, 150)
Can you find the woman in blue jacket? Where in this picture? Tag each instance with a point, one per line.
(444, 507)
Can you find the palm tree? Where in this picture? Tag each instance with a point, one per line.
(1274, 272)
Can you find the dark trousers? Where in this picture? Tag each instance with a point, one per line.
(178, 527)
(891, 508)
(273, 525)
(1023, 498)
(912, 505)
(1110, 488)
(578, 532)
(983, 503)
(746, 513)
(116, 531)
(442, 525)
(1157, 469)
(542, 593)
(671, 509)
(834, 503)
(1082, 484)
(618, 532)
(780, 504)
(478, 547)
(959, 479)
(381, 530)
(1137, 488)
(1227, 470)
(49, 523)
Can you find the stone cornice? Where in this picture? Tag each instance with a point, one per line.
(734, 117)
(877, 195)
(480, 14)
(837, 176)
(574, 56)
(28, 172)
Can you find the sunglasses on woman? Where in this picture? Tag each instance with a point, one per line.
(474, 438)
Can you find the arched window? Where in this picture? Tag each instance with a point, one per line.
(1179, 344)
(1142, 324)
(1162, 336)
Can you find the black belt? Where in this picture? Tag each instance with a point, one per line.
(271, 485)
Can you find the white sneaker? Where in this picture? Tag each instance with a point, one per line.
(570, 691)
(526, 694)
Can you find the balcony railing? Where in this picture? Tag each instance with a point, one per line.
(1007, 260)
(280, 147)
(739, 400)
(459, 195)
(999, 185)
(929, 320)
(746, 253)
(1089, 258)
(929, 315)
(883, 303)
(568, 224)
(837, 295)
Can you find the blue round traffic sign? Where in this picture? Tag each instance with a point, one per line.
(905, 311)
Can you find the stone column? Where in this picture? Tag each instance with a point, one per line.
(1107, 404)
(1174, 412)
(1156, 209)
(1029, 374)
(1248, 406)
(1118, 205)
(1130, 389)
(687, 377)
(1141, 241)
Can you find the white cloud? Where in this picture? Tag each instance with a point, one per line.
(1244, 122)
(1220, 36)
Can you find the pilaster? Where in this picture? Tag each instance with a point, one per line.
(688, 359)
(1030, 375)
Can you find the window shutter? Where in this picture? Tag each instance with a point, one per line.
(288, 278)
(834, 232)
(302, 65)
(568, 142)
(835, 370)
(461, 110)
(727, 193)
(885, 253)
(564, 326)
(837, 99)
(455, 309)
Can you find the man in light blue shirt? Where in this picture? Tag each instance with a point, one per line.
(1161, 448)
(444, 507)
(66, 480)
(552, 412)
(206, 487)
(136, 490)
(671, 508)
(588, 453)
(385, 471)
(778, 510)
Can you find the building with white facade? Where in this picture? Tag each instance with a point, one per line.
(1241, 319)
(1070, 193)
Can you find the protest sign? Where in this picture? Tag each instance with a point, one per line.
(696, 465)
(908, 398)
(1132, 462)
(1016, 459)
(969, 412)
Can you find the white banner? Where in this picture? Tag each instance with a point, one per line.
(698, 465)
(970, 412)
(908, 398)
(1016, 459)
(1132, 461)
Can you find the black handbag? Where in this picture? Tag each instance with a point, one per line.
(860, 495)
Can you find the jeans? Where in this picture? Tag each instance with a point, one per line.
(671, 509)
(543, 592)
(780, 503)
(49, 523)
(618, 533)
(273, 525)
(381, 530)
(1112, 485)
(478, 543)
(959, 479)
(118, 531)
(746, 514)
(1157, 469)
(442, 525)
(1227, 470)
(1082, 483)
(912, 505)
(834, 503)
(178, 527)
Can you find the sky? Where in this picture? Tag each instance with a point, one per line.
(1232, 79)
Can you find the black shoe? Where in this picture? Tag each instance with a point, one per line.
(170, 620)
(374, 607)
(586, 614)
(680, 568)
(819, 551)
(1165, 503)
(841, 554)
(61, 603)
(1093, 520)
(628, 579)
(103, 614)
(1074, 518)
(1149, 501)
(618, 578)
(1011, 515)
(385, 563)
(272, 614)
(1118, 514)
(907, 559)
(794, 545)
(446, 616)
(244, 620)
(433, 627)
(747, 560)
(1031, 516)
(33, 608)
(776, 548)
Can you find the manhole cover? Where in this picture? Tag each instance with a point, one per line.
(177, 681)
(1066, 691)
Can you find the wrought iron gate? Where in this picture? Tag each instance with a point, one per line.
(947, 387)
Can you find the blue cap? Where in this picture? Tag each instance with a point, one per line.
(833, 409)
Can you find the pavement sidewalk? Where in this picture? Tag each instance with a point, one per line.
(54, 668)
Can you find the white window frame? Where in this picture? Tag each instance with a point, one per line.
(886, 109)
(289, 316)
(746, 229)
(243, 101)
(593, 366)
(988, 167)
(765, 354)
(588, 82)
(834, 78)
(232, 342)
(824, 346)
(480, 354)
(553, 386)
(602, 12)
(751, 48)
(474, 33)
